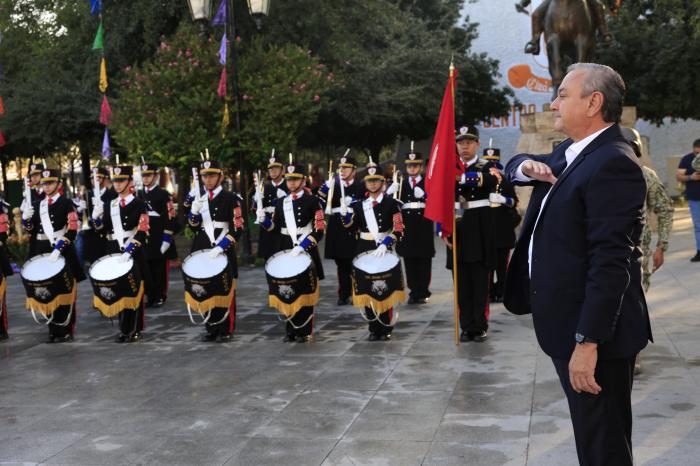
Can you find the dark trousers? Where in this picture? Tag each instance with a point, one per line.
(61, 316)
(473, 296)
(131, 320)
(160, 271)
(380, 326)
(217, 324)
(302, 324)
(344, 277)
(418, 276)
(498, 281)
(603, 422)
(3, 317)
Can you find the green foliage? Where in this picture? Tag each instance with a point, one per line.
(169, 108)
(656, 49)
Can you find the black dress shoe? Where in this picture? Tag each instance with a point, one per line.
(411, 300)
(421, 300)
(303, 339)
(225, 338)
(4, 336)
(481, 336)
(696, 257)
(373, 337)
(65, 338)
(343, 301)
(288, 338)
(158, 303)
(121, 338)
(134, 338)
(208, 337)
(466, 336)
(51, 339)
(386, 337)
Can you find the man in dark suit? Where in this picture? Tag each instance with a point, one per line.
(576, 266)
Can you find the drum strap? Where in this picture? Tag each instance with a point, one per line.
(370, 219)
(116, 217)
(46, 221)
(207, 223)
(289, 219)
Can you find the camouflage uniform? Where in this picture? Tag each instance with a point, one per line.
(658, 202)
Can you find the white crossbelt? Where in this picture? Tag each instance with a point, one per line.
(269, 210)
(153, 213)
(472, 204)
(223, 225)
(58, 234)
(339, 210)
(128, 236)
(413, 205)
(301, 231)
(369, 237)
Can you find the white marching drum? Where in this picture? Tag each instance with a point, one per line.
(377, 281)
(48, 284)
(209, 283)
(292, 281)
(116, 284)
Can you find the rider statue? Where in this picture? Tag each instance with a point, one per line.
(596, 7)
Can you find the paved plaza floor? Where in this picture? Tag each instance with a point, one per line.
(339, 400)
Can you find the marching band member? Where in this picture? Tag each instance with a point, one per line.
(341, 243)
(476, 250)
(95, 240)
(299, 223)
(125, 221)
(379, 225)
(417, 246)
(5, 268)
(53, 227)
(272, 193)
(162, 226)
(217, 219)
(35, 171)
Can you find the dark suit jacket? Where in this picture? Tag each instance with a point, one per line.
(586, 273)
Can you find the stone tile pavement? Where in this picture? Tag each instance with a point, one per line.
(339, 400)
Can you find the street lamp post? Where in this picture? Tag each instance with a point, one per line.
(201, 11)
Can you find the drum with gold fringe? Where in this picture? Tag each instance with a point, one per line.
(292, 281)
(377, 281)
(209, 281)
(48, 284)
(116, 285)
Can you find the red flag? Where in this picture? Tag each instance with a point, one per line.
(222, 84)
(105, 112)
(2, 107)
(443, 163)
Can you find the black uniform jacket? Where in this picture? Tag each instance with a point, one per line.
(387, 213)
(418, 238)
(341, 242)
(162, 220)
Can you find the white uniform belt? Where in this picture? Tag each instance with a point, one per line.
(57, 234)
(472, 204)
(269, 210)
(339, 210)
(368, 236)
(153, 213)
(222, 225)
(300, 231)
(413, 205)
(128, 235)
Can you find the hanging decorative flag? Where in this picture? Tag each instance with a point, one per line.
(2, 139)
(98, 43)
(222, 50)
(103, 76)
(95, 7)
(222, 84)
(225, 122)
(2, 107)
(106, 153)
(220, 18)
(105, 112)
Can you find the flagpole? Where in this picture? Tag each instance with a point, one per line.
(454, 235)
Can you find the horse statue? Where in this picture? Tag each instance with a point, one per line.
(569, 28)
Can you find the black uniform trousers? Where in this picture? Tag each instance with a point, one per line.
(380, 325)
(160, 272)
(418, 276)
(499, 278)
(302, 323)
(472, 296)
(602, 423)
(344, 277)
(3, 315)
(219, 323)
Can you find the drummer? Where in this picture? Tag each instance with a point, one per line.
(53, 227)
(305, 210)
(273, 191)
(94, 240)
(341, 243)
(5, 269)
(384, 212)
(35, 170)
(127, 237)
(162, 227)
(218, 227)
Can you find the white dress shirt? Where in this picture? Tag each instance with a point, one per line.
(571, 153)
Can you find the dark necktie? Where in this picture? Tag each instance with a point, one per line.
(374, 203)
(413, 181)
(122, 203)
(211, 195)
(294, 197)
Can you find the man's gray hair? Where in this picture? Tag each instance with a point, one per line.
(607, 81)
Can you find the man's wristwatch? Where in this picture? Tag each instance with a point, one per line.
(581, 339)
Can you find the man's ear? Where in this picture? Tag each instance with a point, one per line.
(595, 103)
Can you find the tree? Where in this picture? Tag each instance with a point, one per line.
(656, 48)
(169, 108)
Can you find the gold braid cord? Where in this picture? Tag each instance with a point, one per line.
(3, 287)
(47, 308)
(289, 310)
(202, 307)
(111, 310)
(380, 307)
